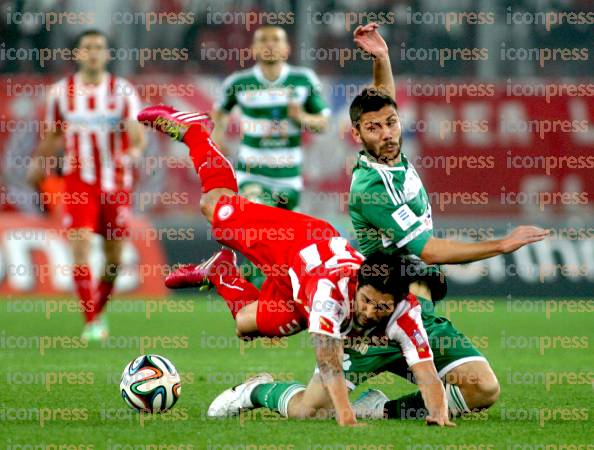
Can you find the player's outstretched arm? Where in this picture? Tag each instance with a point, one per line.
(433, 393)
(367, 38)
(329, 353)
(446, 251)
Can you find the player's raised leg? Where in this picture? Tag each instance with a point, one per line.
(215, 171)
(236, 223)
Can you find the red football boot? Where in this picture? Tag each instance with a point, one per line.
(224, 262)
(172, 122)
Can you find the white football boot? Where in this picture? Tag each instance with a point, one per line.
(233, 400)
(95, 331)
(101, 327)
(370, 404)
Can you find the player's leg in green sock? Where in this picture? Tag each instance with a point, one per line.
(275, 396)
(412, 406)
(409, 406)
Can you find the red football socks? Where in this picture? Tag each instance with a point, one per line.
(214, 170)
(104, 291)
(84, 288)
(236, 291)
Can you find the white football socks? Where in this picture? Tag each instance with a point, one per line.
(456, 403)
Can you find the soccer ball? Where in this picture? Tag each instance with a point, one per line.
(150, 383)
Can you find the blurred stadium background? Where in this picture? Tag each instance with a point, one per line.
(523, 178)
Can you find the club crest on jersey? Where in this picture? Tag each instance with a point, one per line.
(326, 325)
(225, 212)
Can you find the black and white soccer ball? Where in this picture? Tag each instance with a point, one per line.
(150, 383)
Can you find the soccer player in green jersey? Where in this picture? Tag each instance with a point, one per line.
(277, 102)
(389, 205)
(390, 211)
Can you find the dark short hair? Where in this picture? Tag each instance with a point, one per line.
(386, 273)
(84, 34)
(370, 99)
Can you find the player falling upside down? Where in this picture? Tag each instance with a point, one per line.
(315, 280)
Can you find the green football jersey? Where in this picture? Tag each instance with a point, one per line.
(270, 149)
(389, 207)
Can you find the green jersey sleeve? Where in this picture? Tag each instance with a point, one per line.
(315, 103)
(228, 96)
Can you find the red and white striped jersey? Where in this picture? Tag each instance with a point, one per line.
(406, 327)
(324, 280)
(92, 119)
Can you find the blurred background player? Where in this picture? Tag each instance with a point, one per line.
(277, 103)
(91, 115)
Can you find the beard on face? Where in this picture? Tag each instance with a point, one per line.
(378, 154)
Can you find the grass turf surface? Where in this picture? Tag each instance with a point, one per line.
(56, 392)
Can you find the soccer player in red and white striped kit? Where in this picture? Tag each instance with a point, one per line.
(316, 281)
(91, 115)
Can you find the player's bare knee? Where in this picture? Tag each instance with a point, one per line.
(113, 260)
(241, 332)
(488, 391)
(207, 206)
(245, 323)
(80, 253)
(209, 200)
(295, 408)
(483, 393)
(80, 257)
(300, 408)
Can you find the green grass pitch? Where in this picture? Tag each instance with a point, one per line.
(58, 393)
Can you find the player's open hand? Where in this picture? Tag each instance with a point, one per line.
(521, 236)
(351, 423)
(347, 418)
(367, 38)
(439, 420)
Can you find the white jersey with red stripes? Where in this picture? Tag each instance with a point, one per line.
(91, 117)
(324, 280)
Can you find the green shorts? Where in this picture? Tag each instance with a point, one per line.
(450, 349)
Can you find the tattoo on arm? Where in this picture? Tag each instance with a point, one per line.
(329, 356)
